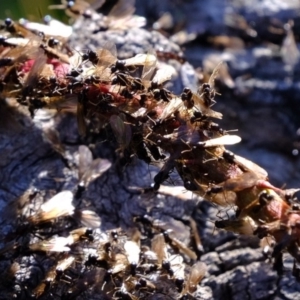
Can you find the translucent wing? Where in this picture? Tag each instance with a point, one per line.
(132, 250)
(222, 140)
(158, 246)
(197, 273)
(58, 206)
(214, 74)
(121, 129)
(85, 160)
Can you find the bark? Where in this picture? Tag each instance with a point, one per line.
(264, 109)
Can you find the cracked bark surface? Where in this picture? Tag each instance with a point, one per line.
(237, 268)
